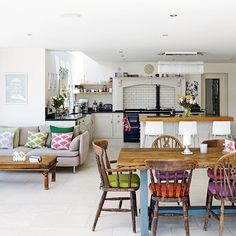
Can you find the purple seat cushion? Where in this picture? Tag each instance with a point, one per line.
(210, 174)
(180, 174)
(222, 192)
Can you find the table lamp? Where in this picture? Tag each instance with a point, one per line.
(187, 143)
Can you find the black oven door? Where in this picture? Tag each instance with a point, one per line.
(134, 134)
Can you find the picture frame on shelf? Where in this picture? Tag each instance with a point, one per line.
(16, 88)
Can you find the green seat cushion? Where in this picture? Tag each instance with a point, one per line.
(54, 129)
(124, 180)
(16, 134)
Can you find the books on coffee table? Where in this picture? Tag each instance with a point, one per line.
(35, 159)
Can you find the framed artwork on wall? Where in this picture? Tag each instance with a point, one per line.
(16, 88)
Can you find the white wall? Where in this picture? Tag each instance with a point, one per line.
(32, 62)
(229, 68)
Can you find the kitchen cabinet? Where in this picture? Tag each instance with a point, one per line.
(108, 125)
(103, 125)
(117, 125)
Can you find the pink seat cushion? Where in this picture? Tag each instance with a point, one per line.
(224, 192)
(61, 141)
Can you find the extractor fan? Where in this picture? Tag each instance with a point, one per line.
(181, 53)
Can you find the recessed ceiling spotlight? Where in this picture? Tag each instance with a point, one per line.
(29, 34)
(71, 15)
(165, 35)
(120, 51)
(173, 15)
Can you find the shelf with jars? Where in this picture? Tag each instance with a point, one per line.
(95, 88)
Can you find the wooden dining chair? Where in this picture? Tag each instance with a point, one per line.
(115, 180)
(170, 189)
(223, 188)
(213, 143)
(166, 141)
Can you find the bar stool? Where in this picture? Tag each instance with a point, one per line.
(221, 128)
(188, 127)
(153, 128)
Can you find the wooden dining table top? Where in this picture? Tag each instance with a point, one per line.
(136, 157)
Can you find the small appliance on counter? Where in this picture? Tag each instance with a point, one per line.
(83, 104)
(100, 106)
(95, 106)
(107, 107)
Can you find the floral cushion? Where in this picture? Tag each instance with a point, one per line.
(6, 139)
(36, 139)
(61, 141)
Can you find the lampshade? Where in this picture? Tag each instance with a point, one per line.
(177, 67)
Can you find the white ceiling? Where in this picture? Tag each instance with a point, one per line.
(133, 26)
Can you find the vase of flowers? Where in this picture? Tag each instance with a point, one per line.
(187, 102)
(58, 103)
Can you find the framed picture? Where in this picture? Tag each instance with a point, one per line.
(16, 88)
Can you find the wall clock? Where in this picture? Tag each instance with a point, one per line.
(149, 69)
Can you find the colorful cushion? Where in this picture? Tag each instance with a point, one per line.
(16, 132)
(61, 141)
(124, 180)
(178, 192)
(223, 192)
(6, 139)
(171, 174)
(36, 139)
(210, 174)
(74, 145)
(54, 129)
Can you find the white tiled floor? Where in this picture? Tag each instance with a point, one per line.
(69, 206)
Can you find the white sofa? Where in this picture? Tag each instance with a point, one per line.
(65, 158)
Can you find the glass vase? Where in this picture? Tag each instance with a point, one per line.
(57, 113)
(187, 112)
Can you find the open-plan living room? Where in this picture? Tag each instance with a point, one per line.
(117, 117)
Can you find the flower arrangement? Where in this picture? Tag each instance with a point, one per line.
(187, 102)
(57, 101)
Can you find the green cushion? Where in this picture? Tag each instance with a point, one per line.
(54, 129)
(36, 139)
(16, 134)
(124, 180)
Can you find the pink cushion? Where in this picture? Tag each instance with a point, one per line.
(61, 141)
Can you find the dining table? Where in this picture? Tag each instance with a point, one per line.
(135, 158)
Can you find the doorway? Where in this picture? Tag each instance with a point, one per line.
(212, 97)
(215, 94)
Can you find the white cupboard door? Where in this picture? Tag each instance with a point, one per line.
(103, 125)
(117, 125)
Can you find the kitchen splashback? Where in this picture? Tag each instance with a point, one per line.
(144, 96)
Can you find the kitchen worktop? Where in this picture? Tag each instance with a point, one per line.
(67, 117)
(199, 118)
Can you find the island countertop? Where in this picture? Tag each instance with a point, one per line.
(198, 118)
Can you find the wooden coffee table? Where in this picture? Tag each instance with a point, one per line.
(47, 164)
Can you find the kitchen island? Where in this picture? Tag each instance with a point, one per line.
(204, 125)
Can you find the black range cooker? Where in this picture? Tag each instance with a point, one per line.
(133, 135)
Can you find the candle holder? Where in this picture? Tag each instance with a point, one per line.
(187, 150)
